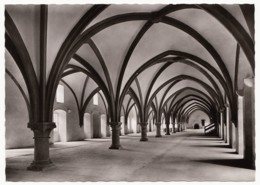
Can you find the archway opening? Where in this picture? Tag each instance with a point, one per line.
(196, 126)
(96, 126)
(88, 126)
(59, 134)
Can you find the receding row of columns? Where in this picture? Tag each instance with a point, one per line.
(241, 136)
(42, 132)
(116, 127)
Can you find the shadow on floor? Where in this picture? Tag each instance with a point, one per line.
(205, 139)
(230, 152)
(239, 163)
(129, 136)
(212, 146)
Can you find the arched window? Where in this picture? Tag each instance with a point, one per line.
(60, 94)
(95, 99)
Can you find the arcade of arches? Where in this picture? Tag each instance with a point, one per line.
(121, 73)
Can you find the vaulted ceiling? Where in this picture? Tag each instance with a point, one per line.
(160, 51)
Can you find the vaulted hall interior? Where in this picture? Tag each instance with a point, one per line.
(99, 92)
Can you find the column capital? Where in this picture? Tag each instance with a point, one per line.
(158, 124)
(222, 109)
(115, 124)
(143, 124)
(41, 129)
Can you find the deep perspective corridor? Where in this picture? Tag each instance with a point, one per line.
(185, 155)
(129, 92)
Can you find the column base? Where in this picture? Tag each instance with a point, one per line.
(144, 139)
(167, 134)
(41, 166)
(115, 147)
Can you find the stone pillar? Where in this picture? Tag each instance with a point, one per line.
(240, 125)
(173, 126)
(168, 129)
(108, 127)
(116, 127)
(229, 127)
(143, 131)
(225, 133)
(150, 126)
(249, 122)
(126, 125)
(126, 129)
(158, 129)
(234, 136)
(180, 127)
(167, 124)
(41, 145)
(222, 124)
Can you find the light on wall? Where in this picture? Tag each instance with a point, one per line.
(95, 99)
(60, 94)
(69, 110)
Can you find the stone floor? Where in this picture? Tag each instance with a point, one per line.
(185, 156)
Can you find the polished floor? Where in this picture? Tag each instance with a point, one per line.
(184, 156)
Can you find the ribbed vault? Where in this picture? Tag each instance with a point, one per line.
(164, 61)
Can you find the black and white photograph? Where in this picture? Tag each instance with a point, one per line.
(129, 92)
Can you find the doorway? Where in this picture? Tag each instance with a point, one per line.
(196, 126)
(59, 134)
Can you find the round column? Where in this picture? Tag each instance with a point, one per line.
(158, 129)
(168, 129)
(41, 146)
(143, 131)
(116, 127)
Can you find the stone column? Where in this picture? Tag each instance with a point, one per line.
(234, 136)
(180, 127)
(143, 131)
(222, 125)
(225, 133)
(41, 145)
(249, 122)
(240, 125)
(167, 124)
(168, 129)
(229, 127)
(150, 125)
(126, 125)
(173, 125)
(158, 129)
(116, 127)
(173, 128)
(126, 129)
